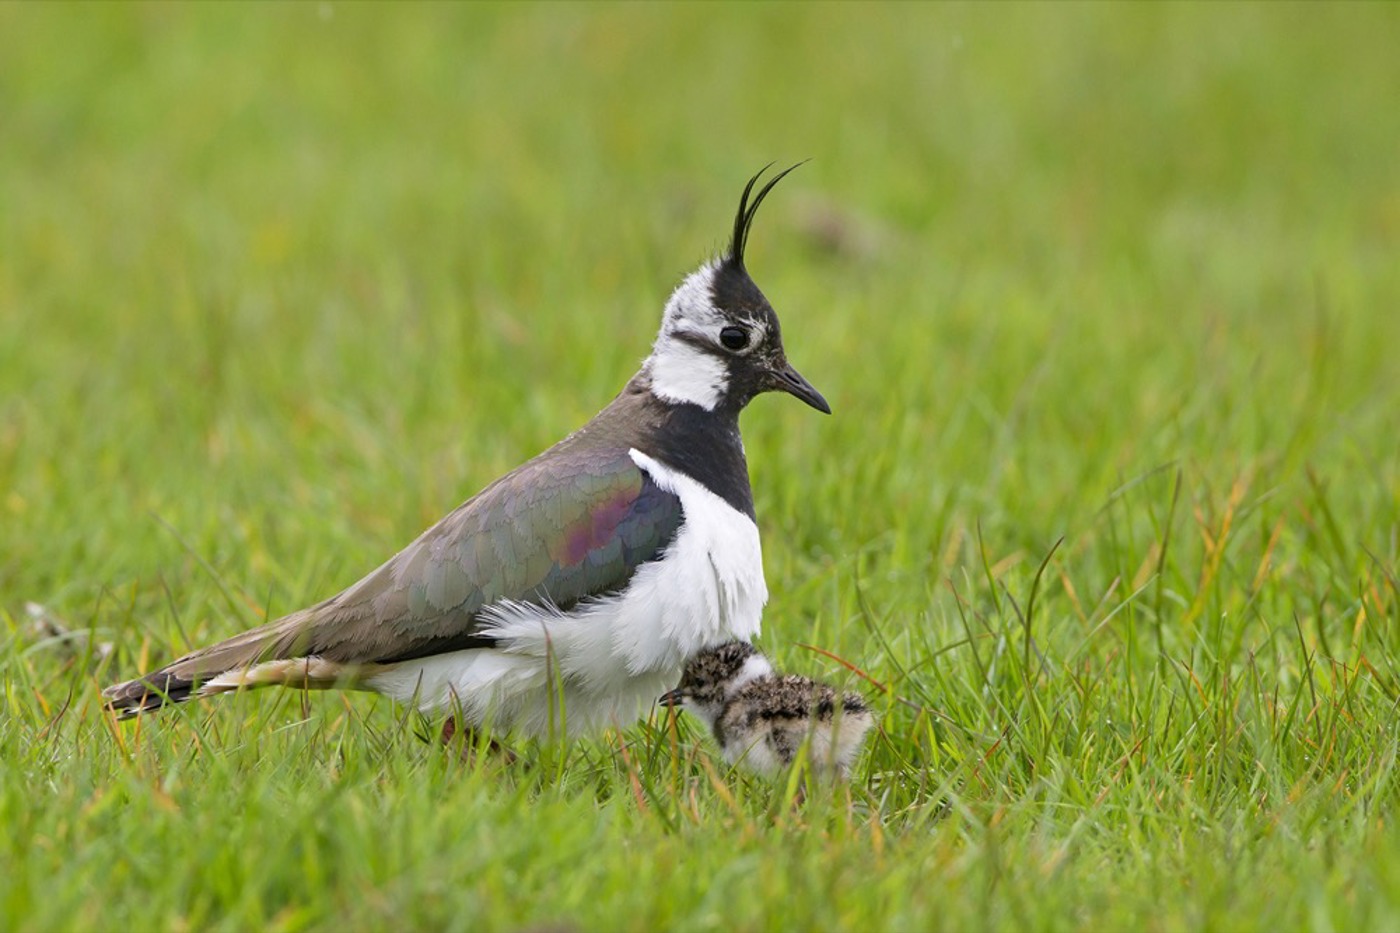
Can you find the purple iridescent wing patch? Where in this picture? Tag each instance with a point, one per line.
(558, 530)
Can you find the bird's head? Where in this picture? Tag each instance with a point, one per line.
(720, 343)
(713, 675)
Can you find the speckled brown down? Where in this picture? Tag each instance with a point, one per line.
(760, 719)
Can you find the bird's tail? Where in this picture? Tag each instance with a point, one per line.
(274, 654)
(148, 692)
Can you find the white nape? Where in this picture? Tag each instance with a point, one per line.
(681, 371)
(754, 667)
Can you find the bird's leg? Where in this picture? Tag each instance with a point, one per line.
(453, 731)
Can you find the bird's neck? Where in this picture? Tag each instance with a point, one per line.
(756, 666)
(704, 444)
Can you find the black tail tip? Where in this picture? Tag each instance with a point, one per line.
(145, 694)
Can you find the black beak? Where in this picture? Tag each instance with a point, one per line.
(673, 698)
(790, 381)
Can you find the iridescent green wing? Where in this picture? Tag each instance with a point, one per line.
(558, 530)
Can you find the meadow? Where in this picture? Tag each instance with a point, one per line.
(1106, 521)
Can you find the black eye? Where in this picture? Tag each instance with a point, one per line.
(734, 338)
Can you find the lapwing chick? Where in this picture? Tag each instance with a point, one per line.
(565, 596)
(760, 718)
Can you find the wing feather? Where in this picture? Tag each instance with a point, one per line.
(556, 531)
(560, 529)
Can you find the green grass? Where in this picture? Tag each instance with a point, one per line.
(281, 285)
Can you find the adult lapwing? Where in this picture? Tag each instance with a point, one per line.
(569, 593)
(760, 718)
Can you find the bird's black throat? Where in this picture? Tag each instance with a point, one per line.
(706, 446)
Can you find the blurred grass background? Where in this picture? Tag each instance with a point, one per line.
(280, 285)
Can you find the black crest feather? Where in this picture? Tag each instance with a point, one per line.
(743, 220)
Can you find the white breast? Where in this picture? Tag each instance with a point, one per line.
(605, 661)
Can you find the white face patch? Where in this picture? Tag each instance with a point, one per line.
(681, 371)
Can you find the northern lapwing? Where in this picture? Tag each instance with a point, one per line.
(760, 718)
(570, 592)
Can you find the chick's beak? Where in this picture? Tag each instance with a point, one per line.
(672, 698)
(784, 378)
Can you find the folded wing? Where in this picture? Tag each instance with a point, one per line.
(556, 531)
